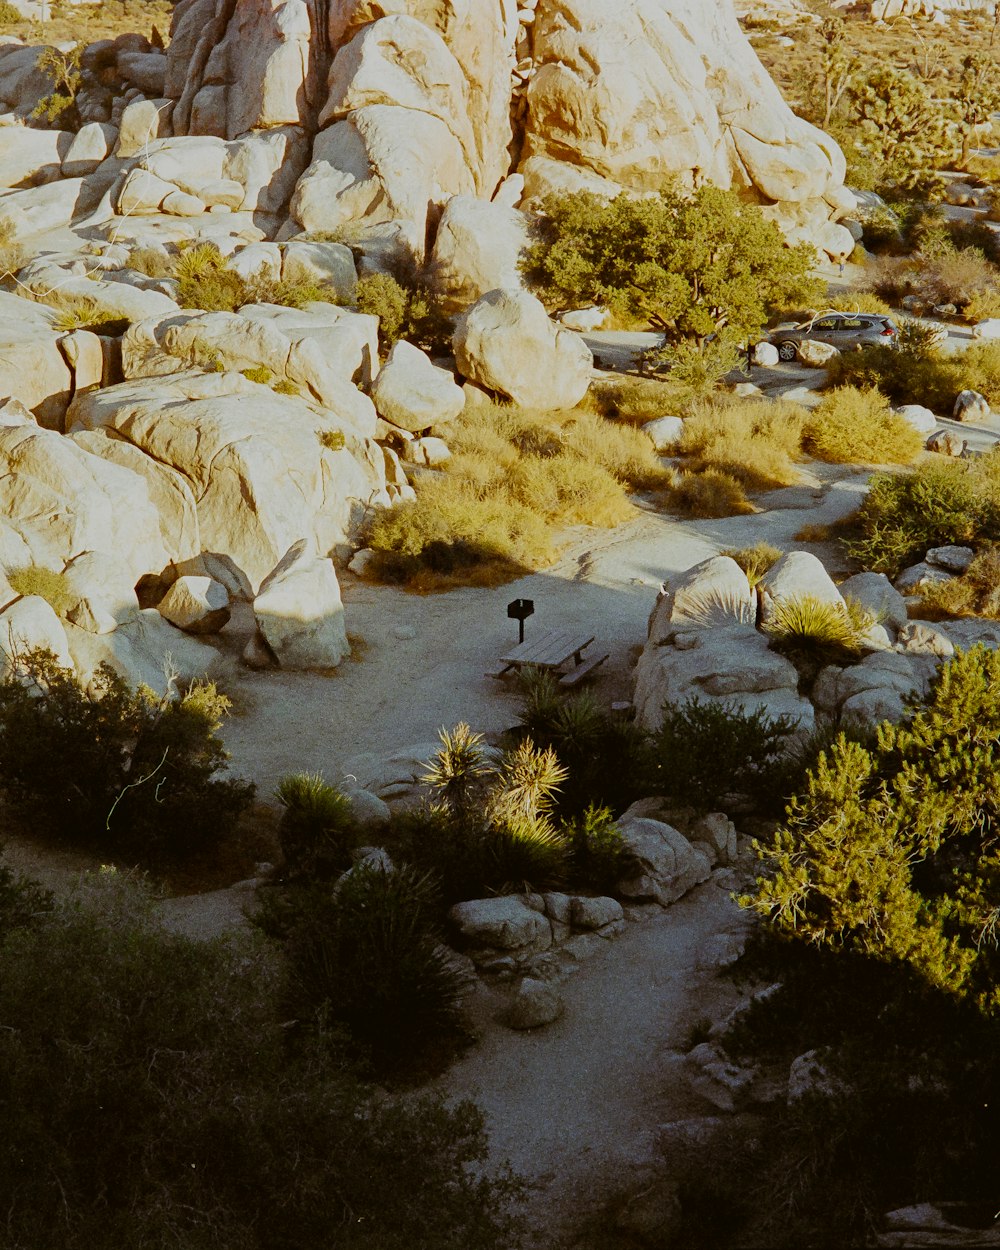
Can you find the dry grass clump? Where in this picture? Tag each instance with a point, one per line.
(949, 276)
(982, 306)
(154, 262)
(12, 254)
(756, 442)
(636, 400)
(208, 283)
(710, 493)
(975, 593)
(80, 312)
(514, 476)
(46, 583)
(755, 561)
(857, 426)
(859, 300)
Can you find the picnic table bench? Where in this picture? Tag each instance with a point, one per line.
(551, 649)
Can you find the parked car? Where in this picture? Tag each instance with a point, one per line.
(848, 331)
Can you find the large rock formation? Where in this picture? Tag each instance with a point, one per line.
(407, 109)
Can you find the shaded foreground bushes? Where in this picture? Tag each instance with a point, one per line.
(879, 894)
(153, 1094)
(121, 772)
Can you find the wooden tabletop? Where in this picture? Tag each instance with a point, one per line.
(549, 649)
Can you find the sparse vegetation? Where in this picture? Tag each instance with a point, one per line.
(755, 561)
(710, 493)
(207, 282)
(755, 442)
(857, 426)
(48, 584)
(975, 593)
(513, 476)
(318, 830)
(58, 108)
(80, 312)
(12, 254)
(405, 311)
(154, 262)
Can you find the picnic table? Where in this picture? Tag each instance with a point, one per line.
(551, 649)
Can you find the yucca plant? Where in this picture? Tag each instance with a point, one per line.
(318, 829)
(458, 770)
(809, 628)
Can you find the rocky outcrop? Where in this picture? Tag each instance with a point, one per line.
(408, 109)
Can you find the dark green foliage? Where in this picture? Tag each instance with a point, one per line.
(21, 900)
(318, 830)
(893, 850)
(905, 514)
(368, 956)
(704, 268)
(122, 772)
(605, 756)
(599, 855)
(406, 310)
(150, 1097)
(706, 754)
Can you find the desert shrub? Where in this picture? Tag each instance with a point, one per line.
(975, 593)
(980, 369)
(79, 312)
(514, 474)
(754, 561)
(22, 901)
(918, 376)
(120, 771)
(12, 254)
(154, 262)
(710, 493)
(599, 855)
(983, 306)
(9, 14)
(260, 288)
(707, 754)
(405, 311)
(489, 829)
(860, 301)
(258, 373)
(855, 426)
(206, 281)
(940, 503)
(46, 583)
(318, 830)
(605, 757)
(368, 956)
(58, 108)
(152, 1095)
(332, 440)
(636, 400)
(754, 441)
(697, 368)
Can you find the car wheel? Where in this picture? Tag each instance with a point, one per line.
(786, 351)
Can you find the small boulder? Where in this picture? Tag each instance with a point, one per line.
(921, 638)
(988, 329)
(765, 355)
(919, 417)
(414, 394)
(947, 443)
(595, 913)
(815, 354)
(912, 580)
(666, 864)
(971, 406)
(954, 559)
(198, 605)
(713, 593)
(584, 319)
(797, 575)
(534, 1004)
(875, 592)
(665, 432)
(505, 923)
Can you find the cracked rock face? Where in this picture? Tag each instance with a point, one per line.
(408, 106)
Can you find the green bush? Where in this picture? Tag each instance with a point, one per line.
(405, 312)
(599, 854)
(22, 901)
(939, 503)
(10, 14)
(705, 755)
(206, 281)
(660, 258)
(152, 1095)
(318, 830)
(852, 426)
(121, 772)
(49, 585)
(814, 632)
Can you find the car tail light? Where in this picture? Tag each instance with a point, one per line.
(888, 332)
